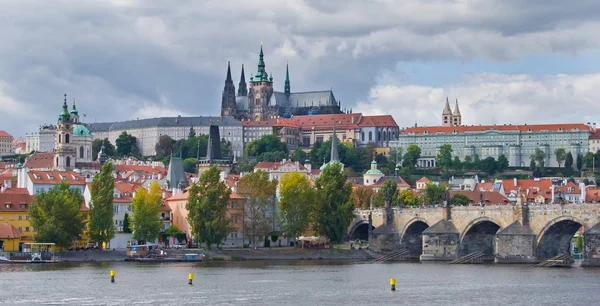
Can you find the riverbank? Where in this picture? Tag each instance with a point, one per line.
(283, 253)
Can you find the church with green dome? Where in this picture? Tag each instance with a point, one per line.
(73, 141)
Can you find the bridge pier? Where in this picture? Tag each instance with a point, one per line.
(515, 244)
(440, 242)
(591, 247)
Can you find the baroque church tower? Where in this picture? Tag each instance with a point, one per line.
(64, 149)
(449, 117)
(261, 89)
(228, 99)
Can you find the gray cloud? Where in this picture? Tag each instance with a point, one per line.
(124, 59)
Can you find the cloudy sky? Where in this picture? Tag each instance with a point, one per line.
(506, 61)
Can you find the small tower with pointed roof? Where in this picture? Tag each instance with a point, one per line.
(287, 89)
(456, 118)
(74, 113)
(228, 106)
(64, 149)
(447, 114)
(242, 89)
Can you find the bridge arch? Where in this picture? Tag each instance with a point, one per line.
(412, 236)
(555, 238)
(359, 230)
(479, 236)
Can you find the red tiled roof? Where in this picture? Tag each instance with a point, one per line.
(4, 134)
(423, 180)
(490, 197)
(380, 120)
(506, 127)
(15, 197)
(592, 195)
(8, 231)
(595, 134)
(532, 185)
(126, 191)
(56, 177)
(340, 120)
(565, 188)
(272, 122)
(145, 168)
(40, 160)
(484, 187)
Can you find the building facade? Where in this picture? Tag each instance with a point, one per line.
(261, 101)
(516, 142)
(42, 140)
(6, 142)
(148, 131)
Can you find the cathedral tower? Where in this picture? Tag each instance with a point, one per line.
(287, 89)
(64, 149)
(261, 89)
(242, 89)
(228, 107)
(456, 118)
(447, 115)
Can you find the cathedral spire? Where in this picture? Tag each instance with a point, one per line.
(228, 73)
(261, 74)
(334, 147)
(447, 110)
(228, 105)
(456, 110)
(287, 89)
(242, 89)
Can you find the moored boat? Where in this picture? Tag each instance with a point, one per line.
(32, 253)
(151, 253)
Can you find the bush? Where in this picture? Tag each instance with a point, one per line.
(274, 238)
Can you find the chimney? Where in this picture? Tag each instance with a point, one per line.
(164, 195)
(8, 184)
(3, 188)
(134, 194)
(515, 182)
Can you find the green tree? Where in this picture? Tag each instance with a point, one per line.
(225, 148)
(145, 221)
(259, 207)
(191, 133)
(101, 228)
(127, 145)
(539, 157)
(489, 165)
(457, 164)
(57, 216)
(561, 156)
(172, 230)
(296, 200)
(207, 208)
(361, 197)
(265, 144)
(299, 155)
(409, 198)
(334, 210)
(502, 163)
(569, 162)
(468, 163)
(532, 165)
(444, 157)
(460, 199)
(109, 149)
(476, 162)
(433, 194)
(189, 165)
(413, 153)
(588, 160)
(579, 162)
(164, 146)
(126, 228)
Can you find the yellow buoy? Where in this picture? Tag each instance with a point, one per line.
(393, 284)
(113, 273)
(190, 278)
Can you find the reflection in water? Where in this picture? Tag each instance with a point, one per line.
(297, 283)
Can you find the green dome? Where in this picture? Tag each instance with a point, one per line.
(374, 171)
(81, 130)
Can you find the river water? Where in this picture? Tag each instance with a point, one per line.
(296, 283)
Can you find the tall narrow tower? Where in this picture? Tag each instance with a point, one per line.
(64, 149)
(447, 114)
(242, 89)
(287, 89)
(261, 89)
(228, 99)
(456, 117)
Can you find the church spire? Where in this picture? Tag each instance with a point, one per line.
(287, 89)
(228, 73)
(228, 105)
(334, 147)
(447, 110)
(242, 89)
(261, 74)
(456, 110)
(64, 115)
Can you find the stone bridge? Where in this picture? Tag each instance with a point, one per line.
(506, 233)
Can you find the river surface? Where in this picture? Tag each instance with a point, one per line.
(296, 283)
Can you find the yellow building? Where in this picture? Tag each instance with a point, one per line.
(14, 211)
(10, 238)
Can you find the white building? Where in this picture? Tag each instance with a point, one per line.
(37, 180)
(42, 140)
(277, 169)
(148, 131)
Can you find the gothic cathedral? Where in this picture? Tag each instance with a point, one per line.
(261, 102)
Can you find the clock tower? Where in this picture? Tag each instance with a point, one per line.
(261, 89)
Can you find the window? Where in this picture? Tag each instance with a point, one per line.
(68, 161)
(27, 217)
(27, 228)
(81, 152)
(370, 136)
(8, 205)
(23, 206)
(20, 218)
(116, 209)
(67, 138)
(362, 136)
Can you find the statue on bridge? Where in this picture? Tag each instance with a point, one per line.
(389, 214)
(447, 201)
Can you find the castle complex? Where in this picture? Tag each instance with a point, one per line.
(261, 101)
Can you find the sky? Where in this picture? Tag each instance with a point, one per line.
(505, 61)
